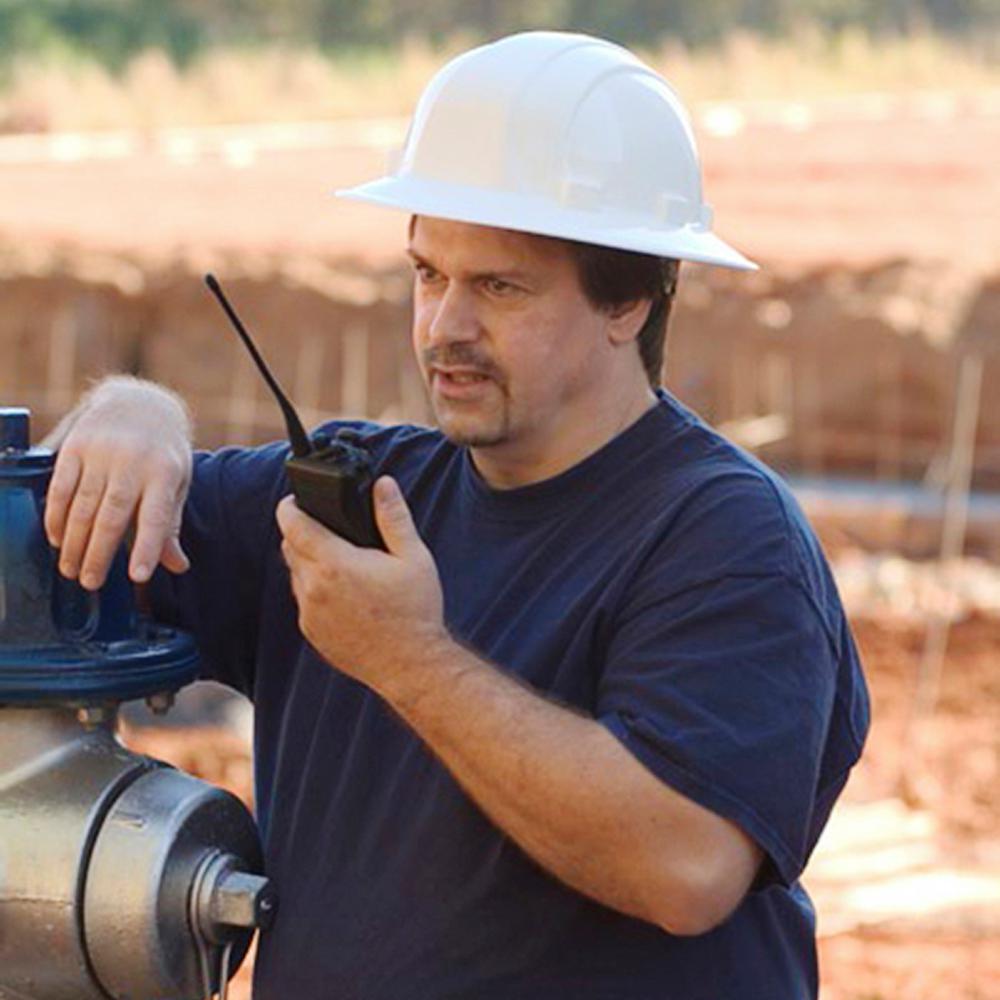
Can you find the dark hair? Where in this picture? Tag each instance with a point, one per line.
(611, 277)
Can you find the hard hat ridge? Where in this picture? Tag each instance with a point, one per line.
(562, 135)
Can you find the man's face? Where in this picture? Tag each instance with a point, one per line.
(508, 345)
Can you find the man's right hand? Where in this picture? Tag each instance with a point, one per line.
(124, 456)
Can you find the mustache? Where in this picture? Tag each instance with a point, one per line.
(461, 355)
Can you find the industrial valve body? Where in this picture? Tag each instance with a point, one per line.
(119, 876)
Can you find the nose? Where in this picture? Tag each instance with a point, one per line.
(452, 317)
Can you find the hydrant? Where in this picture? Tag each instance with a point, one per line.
(120, 877)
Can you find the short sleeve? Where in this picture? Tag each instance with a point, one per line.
(726, 689)
(227, 532)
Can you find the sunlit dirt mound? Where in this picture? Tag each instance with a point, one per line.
(834, 371)
(873, 219)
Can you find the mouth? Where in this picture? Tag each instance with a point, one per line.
(458, 383)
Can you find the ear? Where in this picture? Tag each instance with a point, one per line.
(627, 319)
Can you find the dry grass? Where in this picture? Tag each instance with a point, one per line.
(273, 84)
(226, 85)
(812, 65)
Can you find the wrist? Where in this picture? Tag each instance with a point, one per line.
(118, 393)
(428, 660)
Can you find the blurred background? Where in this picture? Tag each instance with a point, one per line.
(850, 146)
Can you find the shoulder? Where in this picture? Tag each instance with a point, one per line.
(722, 513)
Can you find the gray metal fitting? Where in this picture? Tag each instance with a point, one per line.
(94, 716)
(161, 702)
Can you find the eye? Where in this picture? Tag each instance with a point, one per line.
(425, 273)
(497, 286)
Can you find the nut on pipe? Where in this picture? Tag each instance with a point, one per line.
(228, 900)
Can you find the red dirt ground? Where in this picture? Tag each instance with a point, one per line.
(819, 189)
(958, 776)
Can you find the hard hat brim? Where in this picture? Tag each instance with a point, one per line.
(524, 213)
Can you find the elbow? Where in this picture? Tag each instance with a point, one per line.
(700, 918)
(694, 921)
(696, 904)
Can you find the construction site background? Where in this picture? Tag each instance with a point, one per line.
(862, 361)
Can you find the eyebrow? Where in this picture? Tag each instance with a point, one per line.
(512, 274)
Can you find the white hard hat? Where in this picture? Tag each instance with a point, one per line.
(561, 135)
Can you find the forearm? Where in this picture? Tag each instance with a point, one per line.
(560, 785)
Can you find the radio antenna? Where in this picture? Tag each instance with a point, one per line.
(296, 432)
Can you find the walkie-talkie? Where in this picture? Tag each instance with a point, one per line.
(331, 477)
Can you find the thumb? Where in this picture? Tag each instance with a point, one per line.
(394, 519)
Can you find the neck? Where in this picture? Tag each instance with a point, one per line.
(506, 467)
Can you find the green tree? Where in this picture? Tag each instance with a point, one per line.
(114, 30)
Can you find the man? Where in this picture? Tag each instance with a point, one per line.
(576, 732)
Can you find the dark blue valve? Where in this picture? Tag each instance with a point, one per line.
(60, 644)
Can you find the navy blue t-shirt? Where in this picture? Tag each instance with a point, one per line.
(668, 586)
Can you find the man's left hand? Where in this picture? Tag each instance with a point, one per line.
(363, 609)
